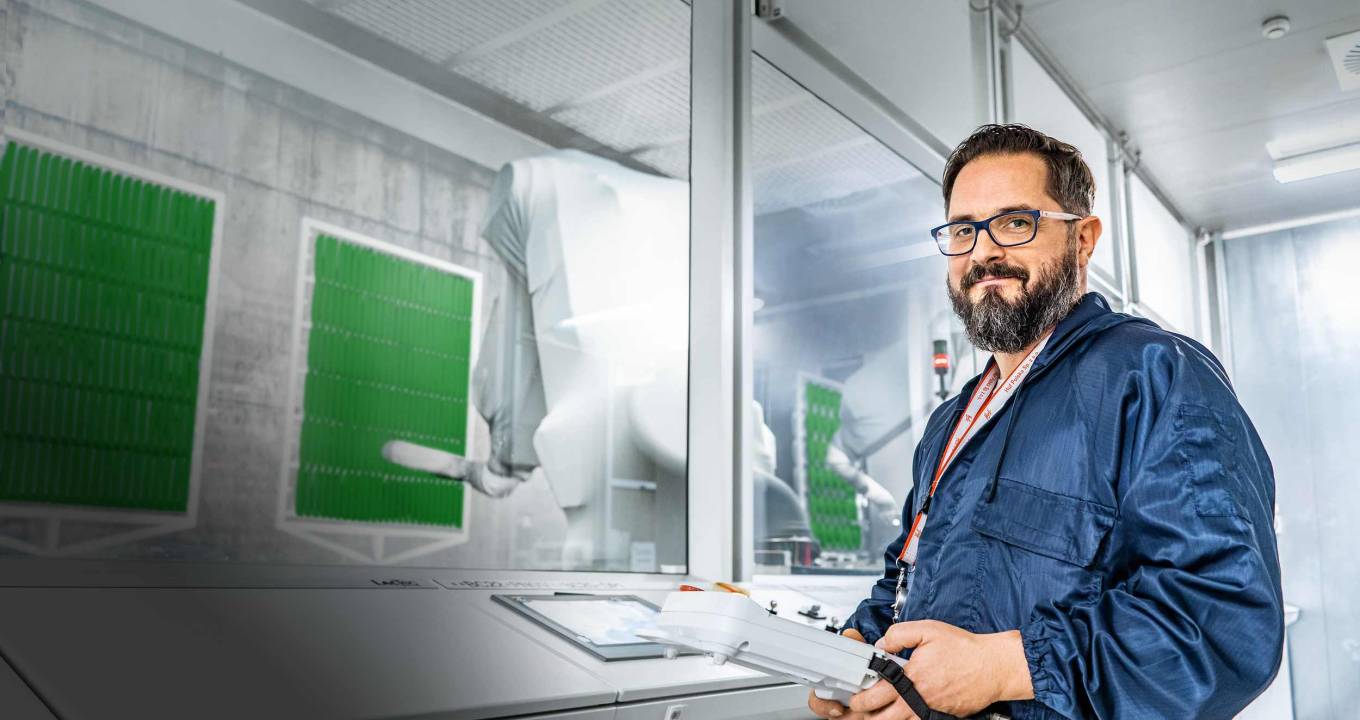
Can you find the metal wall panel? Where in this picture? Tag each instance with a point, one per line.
(1295, 336)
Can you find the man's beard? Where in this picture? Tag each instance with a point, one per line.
(995, 325)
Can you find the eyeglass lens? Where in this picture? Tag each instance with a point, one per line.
(1009, 229)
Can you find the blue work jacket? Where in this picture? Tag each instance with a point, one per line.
(1118, 513)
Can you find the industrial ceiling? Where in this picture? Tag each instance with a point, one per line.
(615, 75)
(1207, 98)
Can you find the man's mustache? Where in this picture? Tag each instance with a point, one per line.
(995, 271)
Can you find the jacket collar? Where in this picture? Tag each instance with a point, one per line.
(1091, 316)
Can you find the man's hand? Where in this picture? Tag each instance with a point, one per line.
(831, 708)
(956, 672)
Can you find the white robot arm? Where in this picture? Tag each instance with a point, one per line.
(837, 460)
(438, 462)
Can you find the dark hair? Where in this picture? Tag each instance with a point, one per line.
(1069, 178)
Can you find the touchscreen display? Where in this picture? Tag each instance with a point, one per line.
(601, 621)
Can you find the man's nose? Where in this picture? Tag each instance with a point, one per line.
(985, 250)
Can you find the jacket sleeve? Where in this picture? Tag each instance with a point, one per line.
(1190, 623)
(874, 614)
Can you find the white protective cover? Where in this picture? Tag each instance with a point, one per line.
(732, 628)
(583, 372)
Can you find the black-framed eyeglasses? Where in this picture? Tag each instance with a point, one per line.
(1006, 229)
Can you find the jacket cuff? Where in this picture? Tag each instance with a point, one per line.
(869, 629)
(1038, 655)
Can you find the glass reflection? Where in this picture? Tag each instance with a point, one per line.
(854, 340)
(257, 315)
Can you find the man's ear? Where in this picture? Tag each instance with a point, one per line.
(1088, 234)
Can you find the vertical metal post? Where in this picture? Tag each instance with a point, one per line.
(719, 484)
(990, 98)
(1130, 260)
(1003, 29)
(1223, 337)
(1203, 287)
(1118, 224)
(743, 553)
(1005, 85)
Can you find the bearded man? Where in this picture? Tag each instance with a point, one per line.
(1090, 529)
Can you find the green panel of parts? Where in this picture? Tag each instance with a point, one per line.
(388, 358)
(103, 283)
(832, 508)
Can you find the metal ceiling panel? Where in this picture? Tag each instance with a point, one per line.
(797, 131)
(832, 172)
(1202, 93)
(1120, 41)
(441, 29)
(603, 45)
(805, 152)
(670, 160)
(617, 72)
(770, 87)
(642, 115)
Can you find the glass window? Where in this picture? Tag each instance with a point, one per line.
(1164, 255)
(1037, 101)
(387, 282)
(851, 315)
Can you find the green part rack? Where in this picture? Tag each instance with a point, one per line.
(388, 358)
(832, 509)
(103, 285)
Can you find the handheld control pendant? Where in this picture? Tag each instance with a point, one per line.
(733, 629)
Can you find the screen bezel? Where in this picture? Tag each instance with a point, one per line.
(608, 653)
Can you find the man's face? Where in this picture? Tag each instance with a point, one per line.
(1003, 292)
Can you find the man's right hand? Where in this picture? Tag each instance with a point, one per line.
(831, 708)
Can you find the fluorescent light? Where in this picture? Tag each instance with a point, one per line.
(1322, 162)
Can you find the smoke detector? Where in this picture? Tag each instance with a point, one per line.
(1275, 28)
(1345, 53)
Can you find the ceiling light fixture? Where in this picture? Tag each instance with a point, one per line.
(1322, 162)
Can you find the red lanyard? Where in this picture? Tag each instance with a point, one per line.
(980, 410)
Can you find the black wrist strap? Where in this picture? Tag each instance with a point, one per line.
(892, 672)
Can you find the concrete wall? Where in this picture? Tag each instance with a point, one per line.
(78, 74)
(1295, 336)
